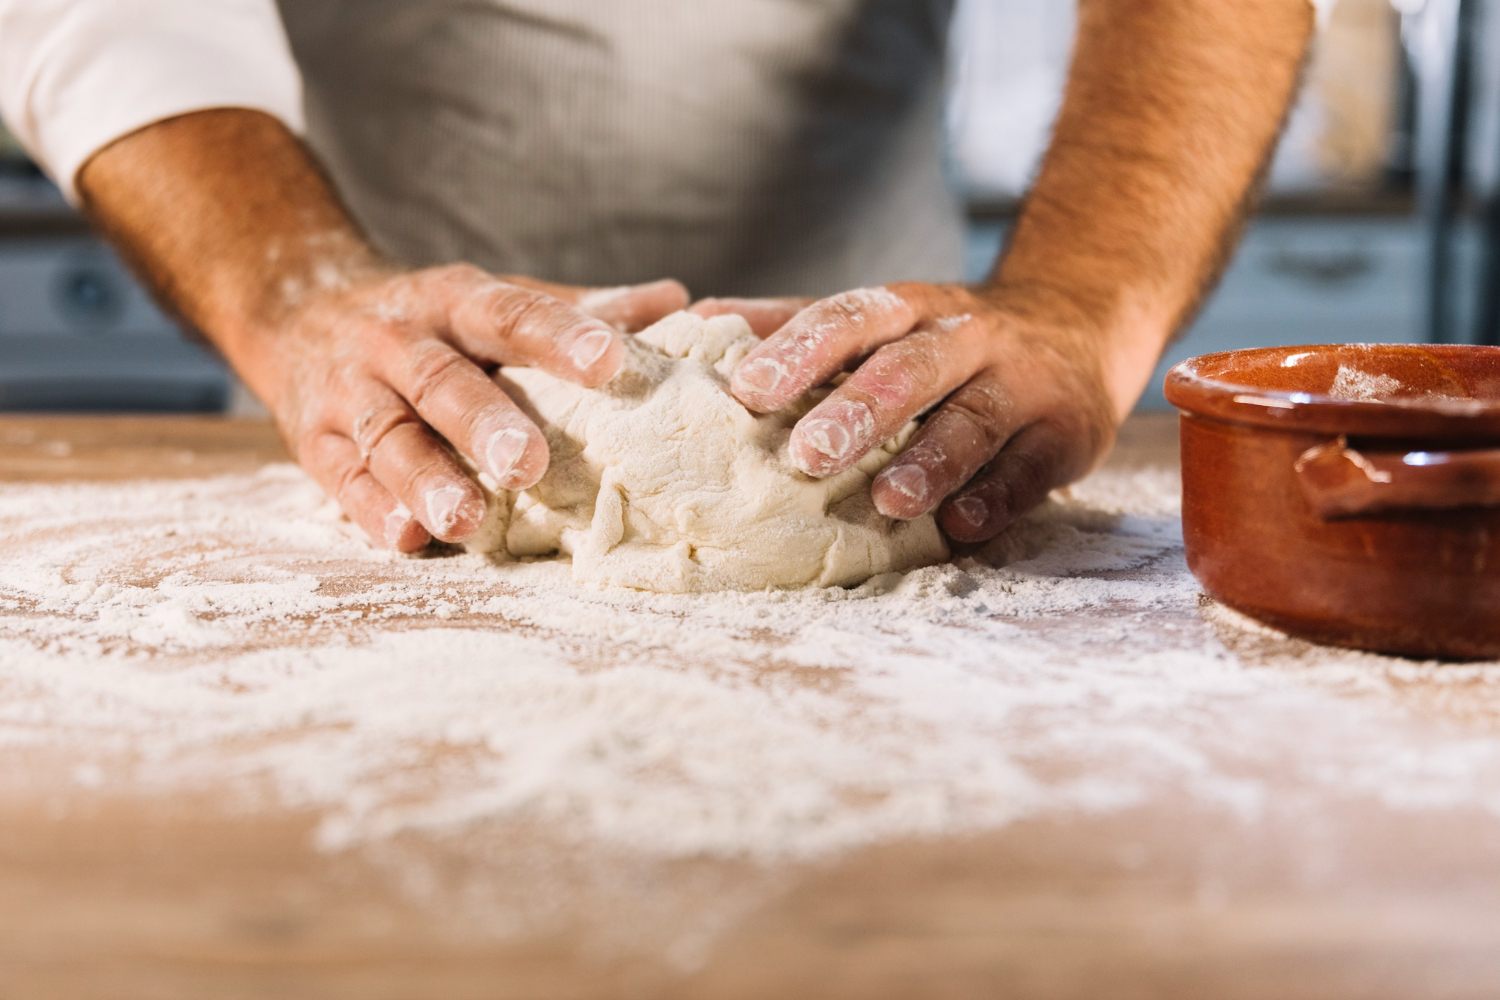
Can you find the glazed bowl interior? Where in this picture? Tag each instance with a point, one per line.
(1388, 389)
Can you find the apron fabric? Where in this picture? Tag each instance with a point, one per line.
(746, 147)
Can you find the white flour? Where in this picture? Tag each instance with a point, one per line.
(230, 633)
(1353, 384)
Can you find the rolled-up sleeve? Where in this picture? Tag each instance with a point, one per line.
(77, 74)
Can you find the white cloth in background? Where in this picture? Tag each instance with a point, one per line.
(77, 74)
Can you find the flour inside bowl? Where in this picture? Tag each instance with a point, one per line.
(1355, 385)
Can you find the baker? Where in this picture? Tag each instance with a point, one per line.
(367, 206)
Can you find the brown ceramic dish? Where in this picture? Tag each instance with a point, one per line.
(1348, 494)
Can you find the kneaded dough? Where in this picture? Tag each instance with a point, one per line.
(661, 480)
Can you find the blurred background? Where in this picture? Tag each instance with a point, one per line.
(76, 331)
(1381, 222)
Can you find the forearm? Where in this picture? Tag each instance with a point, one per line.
(227, 216)
(375, 374)
(1171, 111)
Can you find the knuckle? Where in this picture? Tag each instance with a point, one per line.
(893, 377)
(412, 479)
(519, 311)
(431, 367)
(325, 455)
(373, 427)
(1030, 470)
(348, 476)
(918, 361)
(862, 305)
(983, 408)
(420, 464)
(846, 306)
(1076, 444)
(388, 329)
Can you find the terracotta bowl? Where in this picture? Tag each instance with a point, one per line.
(1348, 494)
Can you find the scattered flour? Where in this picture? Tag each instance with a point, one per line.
(233, 633)
(1358, 386)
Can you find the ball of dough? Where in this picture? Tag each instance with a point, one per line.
(661, 480)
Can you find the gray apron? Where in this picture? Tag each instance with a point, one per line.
(746, 147)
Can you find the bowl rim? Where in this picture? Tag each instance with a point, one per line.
(1196, 394)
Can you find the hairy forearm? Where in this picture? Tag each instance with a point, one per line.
(376, 374)
(230, 220)
(1171, 110)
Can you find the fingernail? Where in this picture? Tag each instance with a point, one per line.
(840, 434)
(829, 437)
(760, 376)
(907, 479)
(395, 525)
(443, 508)
(973, 510)
(589, 348)
(503, 452)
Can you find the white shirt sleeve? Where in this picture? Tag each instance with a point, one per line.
(77, 74)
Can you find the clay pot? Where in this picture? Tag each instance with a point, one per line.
(1348, 494)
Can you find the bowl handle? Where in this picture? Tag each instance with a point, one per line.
(1340, 481)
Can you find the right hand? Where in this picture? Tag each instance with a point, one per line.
(374, 386)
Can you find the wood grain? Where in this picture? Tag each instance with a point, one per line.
(108, 895)
(63, 448)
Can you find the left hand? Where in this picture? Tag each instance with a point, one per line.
(1025, 404)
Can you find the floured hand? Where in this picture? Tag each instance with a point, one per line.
(375, 375)
(386, 374)
(1022, 406)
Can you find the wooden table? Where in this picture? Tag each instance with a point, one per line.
(111, 896)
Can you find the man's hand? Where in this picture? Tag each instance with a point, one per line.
(376, 376)
(373, 384)
(1024, 406)
(1171, 111)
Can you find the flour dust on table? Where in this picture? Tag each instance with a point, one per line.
(662, 481)
(231, 636)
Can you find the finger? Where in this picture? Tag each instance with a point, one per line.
(626, 307)
(334, 461)
(1040, 458)
(899, 381)
(408, 460)
(511, 325)
(952, 445)
(464, 405)
(814, 346)
(765, 316)
(633, 307)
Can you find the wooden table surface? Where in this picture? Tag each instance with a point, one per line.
(119, 896)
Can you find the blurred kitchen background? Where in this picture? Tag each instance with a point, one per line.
(1381, 222)
(77, 333)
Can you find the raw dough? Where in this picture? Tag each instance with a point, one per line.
(662, 481)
